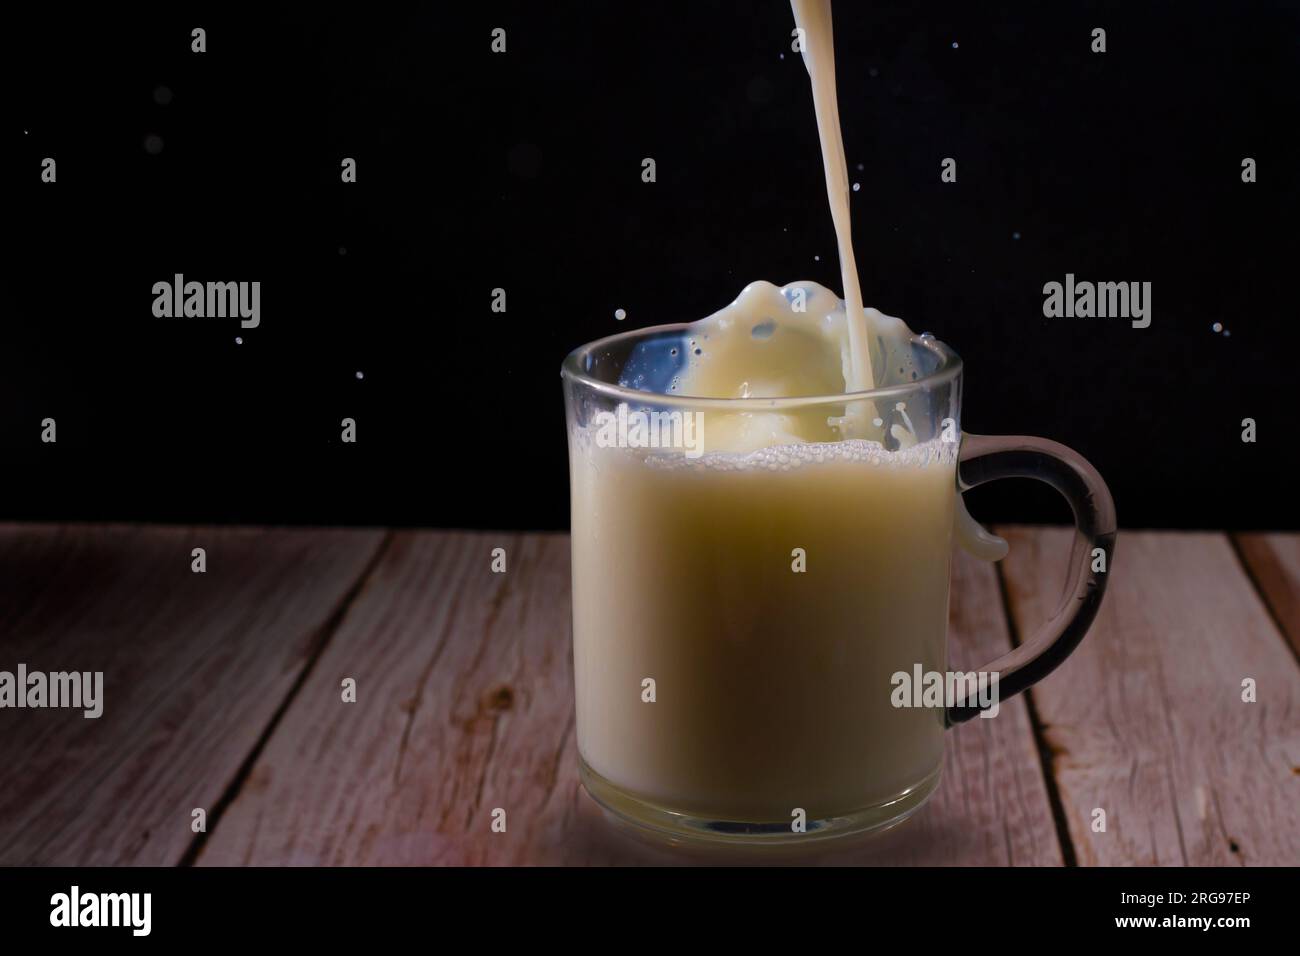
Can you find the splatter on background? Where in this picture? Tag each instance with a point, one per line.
(522, 171)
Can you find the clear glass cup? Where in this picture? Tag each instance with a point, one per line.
(741, 621)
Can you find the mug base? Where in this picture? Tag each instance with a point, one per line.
(673, 827)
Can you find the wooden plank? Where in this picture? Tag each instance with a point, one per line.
(194, 667)
(1273, 561)
(1146, 720)
(465, 704)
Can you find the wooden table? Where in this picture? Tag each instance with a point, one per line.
(223, 693)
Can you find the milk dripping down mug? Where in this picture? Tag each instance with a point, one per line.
(743, 611)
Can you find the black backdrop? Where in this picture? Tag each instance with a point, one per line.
(522, 171)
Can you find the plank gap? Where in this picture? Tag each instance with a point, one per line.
(1068, 855)
(1147, 720)
(1262, 567)
(317, 649)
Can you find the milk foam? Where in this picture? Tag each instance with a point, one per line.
(803, 454)
(788, 341)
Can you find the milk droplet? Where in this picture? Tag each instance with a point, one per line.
(877, 422)
(620, 314)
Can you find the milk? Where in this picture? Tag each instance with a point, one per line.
(772, 687)
(771, 675)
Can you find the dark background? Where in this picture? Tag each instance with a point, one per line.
(522, 171)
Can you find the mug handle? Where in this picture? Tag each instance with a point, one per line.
(989, 457)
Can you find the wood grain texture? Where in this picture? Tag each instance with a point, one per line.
(465, 704)
(1273, 561)
(195, 666)
(1146, 719)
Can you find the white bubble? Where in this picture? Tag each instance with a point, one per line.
(239, 340)
(817, 258)
(954, 44)
(153, 144)
(360, 376)
(620, 314)
(1015, 235)
(1217, 326)
(857, 186)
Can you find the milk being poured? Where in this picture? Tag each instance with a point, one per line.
(813, 17)
(807, 332)
(771, 679)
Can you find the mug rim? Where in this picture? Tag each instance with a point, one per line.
(949, 369)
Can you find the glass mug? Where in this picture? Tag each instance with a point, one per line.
(742, 625)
